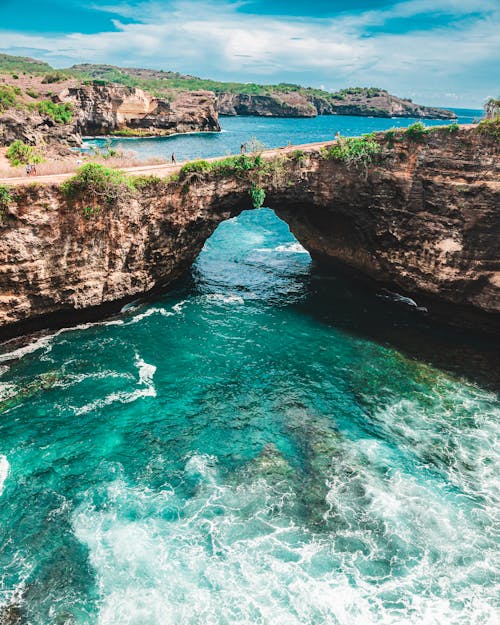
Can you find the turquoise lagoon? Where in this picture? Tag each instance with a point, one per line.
(265, 444)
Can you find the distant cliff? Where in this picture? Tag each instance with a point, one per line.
(307, 103)
(102, 110)
(281, 100)
(39, 112)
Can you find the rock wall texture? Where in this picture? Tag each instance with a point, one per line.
(102, 110)
(423, 220)
(105, 109)
(300, 104)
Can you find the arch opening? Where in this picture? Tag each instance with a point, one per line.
(253, 256)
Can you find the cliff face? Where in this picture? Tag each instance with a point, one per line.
(423, 220)
(282, 105)
(303, 104)
(105, 109)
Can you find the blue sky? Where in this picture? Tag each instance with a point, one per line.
(440, 52)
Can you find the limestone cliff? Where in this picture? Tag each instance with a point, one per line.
(307, 103)
(106, 109)
(101, 109)
(279, 105)
(423, 219)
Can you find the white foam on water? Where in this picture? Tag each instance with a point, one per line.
(234, 553)
(4, 471)
(46, 341)
(148, 313)
(146, 389)
(225, 299)
(291, 248)
(178, 308)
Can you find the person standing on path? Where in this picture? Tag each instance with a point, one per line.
(173, 159)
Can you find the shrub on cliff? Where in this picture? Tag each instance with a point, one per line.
(258, 196)
(53, 77)
(353, 150)
(415, 132)
(194, 168)
(5, 199)
(19, 153)
(8, 96)
(60, 113)
(490, 128)
(98, 183)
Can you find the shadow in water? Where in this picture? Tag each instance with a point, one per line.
(371, 313)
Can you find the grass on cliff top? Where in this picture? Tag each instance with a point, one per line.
(98, 183)
(8, 96)
(19, 153)
(22, 65)
(353, 150)
(490, 128)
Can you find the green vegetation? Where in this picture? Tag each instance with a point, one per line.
(258, 196)
(19, 153)
(60, 113)
(22, 64)
(490, 128)
(298, 155)
(416, 132)
(165, 82)
(354, 150)
(99, 184)
(5, 199)
(8, 96)
(391, 136)
(128, 132)
(194, 168)
(52, 77)
(32, 93)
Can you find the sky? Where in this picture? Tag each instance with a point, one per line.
(437, 52)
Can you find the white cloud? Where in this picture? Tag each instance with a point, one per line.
(214, 39)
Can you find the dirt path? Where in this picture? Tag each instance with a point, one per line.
(161, 171)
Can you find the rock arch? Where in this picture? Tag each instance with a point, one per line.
(422, 220)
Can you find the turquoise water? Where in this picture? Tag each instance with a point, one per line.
(271, 132)
(266, 444)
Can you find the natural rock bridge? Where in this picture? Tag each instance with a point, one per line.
(422, 219)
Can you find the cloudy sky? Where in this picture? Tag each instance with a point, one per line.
(439, 52)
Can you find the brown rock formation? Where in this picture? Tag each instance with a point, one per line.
(423, 220)
(105, 109)
(100, 110)
(279, 105)
(304, 104)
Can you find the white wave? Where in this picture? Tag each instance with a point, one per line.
(225, 299)
(4, 471)
(146, 389)
(148, 313)
(46, 341)
(178, 308)
(291, 248)
(233, 554)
